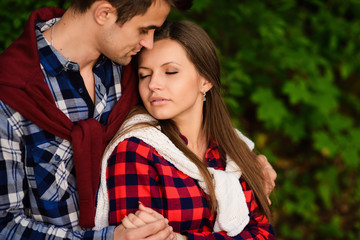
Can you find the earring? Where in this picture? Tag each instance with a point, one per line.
(204, 96)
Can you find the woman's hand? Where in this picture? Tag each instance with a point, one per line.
(141, 217)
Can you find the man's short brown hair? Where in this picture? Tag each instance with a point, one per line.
(127, 9)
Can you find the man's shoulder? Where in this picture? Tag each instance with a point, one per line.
(46, 13)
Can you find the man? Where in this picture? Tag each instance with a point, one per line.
(53, 78)
(61, 83)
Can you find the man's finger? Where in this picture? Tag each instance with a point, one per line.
(269, 174)
(269, 200)
(164, 234)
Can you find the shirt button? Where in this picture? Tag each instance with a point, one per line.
(70, 66)
(81, 90)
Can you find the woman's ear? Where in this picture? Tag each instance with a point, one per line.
(206, 85)
(103, 12)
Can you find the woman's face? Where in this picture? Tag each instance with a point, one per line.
(169, 85)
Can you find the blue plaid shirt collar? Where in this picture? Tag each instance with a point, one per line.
(50, 58)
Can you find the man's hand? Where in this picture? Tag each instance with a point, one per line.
(269, 174)
(151, 231)
(144, 224)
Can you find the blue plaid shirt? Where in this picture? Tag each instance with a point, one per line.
(38, 195)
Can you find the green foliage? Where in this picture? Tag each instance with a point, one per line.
(14, 15)
(290, 79)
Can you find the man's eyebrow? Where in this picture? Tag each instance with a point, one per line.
(152, 27)
(141, 67)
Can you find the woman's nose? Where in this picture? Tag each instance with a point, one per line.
(155, 82)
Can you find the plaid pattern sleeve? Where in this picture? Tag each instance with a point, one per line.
(136, 172)
(18, 220)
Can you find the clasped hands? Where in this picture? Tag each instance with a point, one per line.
(145, 224)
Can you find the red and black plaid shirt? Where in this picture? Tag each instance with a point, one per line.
(136, 172)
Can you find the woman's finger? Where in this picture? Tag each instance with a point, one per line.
(127, 223)
(135, 220)
(150, 211)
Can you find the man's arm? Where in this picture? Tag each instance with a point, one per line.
(16, 221)
(269, 174)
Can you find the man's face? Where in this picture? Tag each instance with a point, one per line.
(121, 42)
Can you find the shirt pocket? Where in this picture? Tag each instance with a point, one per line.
(52, 170)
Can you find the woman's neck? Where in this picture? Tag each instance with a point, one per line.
(198, 147)
(196, 136)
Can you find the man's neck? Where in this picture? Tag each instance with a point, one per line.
(73, 36)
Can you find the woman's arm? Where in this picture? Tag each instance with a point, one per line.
(131, 179)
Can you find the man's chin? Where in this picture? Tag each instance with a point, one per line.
(123, 61)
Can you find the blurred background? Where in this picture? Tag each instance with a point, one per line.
(291, 72)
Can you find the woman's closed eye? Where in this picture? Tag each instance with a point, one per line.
(171, 72)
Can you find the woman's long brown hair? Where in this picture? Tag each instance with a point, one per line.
(216, 121)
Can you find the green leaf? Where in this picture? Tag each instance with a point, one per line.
(297, 91)
(294, 128)
(327, 185)
(270, 110)
(332, 229)
(324, 143)
(338, 123)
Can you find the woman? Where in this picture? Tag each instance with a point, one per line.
(181, 156)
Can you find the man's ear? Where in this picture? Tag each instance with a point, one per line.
(103, 12)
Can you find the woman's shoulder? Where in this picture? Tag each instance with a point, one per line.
(135, 146)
